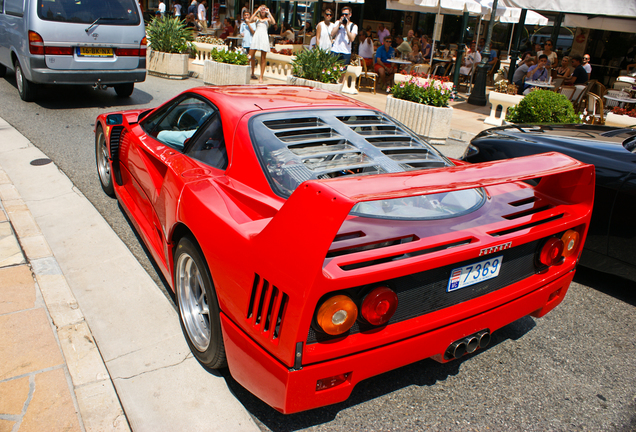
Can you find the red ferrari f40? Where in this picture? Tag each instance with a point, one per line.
(313, 242)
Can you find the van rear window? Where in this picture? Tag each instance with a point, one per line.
(105, 12)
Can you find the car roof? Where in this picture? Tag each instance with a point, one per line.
(244, 99)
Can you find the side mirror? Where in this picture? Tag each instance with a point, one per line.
(114, 119)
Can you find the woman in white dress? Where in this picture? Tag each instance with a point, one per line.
(323, 32)
(260, 41)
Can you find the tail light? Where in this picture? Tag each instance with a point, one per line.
(551, 252)
(379, 305)
(50, 50)
(571, 240)
(334, 381)
(142, 48)
(36, 43)
(337, 314)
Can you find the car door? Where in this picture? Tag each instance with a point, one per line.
(155, 161)
(622, 231)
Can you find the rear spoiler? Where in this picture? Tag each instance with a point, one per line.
(300, 234)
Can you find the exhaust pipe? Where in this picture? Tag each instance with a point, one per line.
(468, 344)
(99, 86)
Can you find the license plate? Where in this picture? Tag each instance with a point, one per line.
(477, 272)
(94, 52)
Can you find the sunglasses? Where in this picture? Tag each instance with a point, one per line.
(327, 14)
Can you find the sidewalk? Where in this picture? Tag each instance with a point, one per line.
(87, 340)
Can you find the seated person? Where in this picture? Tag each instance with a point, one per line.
(228, 29)
(175, 139)
(470, 60)
(403, 46)
(520, 74)
(191, 21)
(579, 75)
(287, 33)
(538, 72)
(416, 55)
(382, 67)
(365, 48)
(564, 70)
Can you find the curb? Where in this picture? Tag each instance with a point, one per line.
(99, 405)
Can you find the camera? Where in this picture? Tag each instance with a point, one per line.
(344, 20)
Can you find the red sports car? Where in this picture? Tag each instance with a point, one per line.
(313, 242)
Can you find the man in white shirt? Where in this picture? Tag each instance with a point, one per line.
(162, 8)
(587, 66)
(343, 33)
(382, 33)
(176, 9)
(202, 15)
(247, 31)
(472, 58)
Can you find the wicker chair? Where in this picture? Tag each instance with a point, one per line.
(594, 111)
(371, 76)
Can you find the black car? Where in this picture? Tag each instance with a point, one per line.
(611, 241)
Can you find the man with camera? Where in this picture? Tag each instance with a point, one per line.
(343, 33)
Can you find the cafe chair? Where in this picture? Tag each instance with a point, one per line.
(558, 82)
(620, 85)
(579, 101)
(593, 112)
(568, 91)
(371, 76)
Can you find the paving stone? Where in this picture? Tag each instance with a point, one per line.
(24, 224)
(100, 408)
(8, 192)
(14, 205)
(3, 217)
(4, 178)
(82, 357)
(10, 252)
(59, 299)
(27, 343)
(35, 247)
(17, 289)
(13, 395)
(51, 409)
(6, 425)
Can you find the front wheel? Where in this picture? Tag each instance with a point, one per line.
(198, 305)
(26, 88)
(124, 90)
(102, 161)
(3, 70)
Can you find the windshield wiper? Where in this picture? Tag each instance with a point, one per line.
(92, 25)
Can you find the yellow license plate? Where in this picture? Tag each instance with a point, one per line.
(95, 52)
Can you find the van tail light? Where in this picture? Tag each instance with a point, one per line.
(127, 52)
(50, 50)
(571, 240)
(337, 314)
(552, 252)
(36, 43)
(142, 48)
(379, 305)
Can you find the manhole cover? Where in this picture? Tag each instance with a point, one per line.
(43, 161)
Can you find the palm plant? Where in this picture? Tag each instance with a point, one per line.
(169, 35)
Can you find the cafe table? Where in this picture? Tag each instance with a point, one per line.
(622, 100)
(542, 84)
(234, 41)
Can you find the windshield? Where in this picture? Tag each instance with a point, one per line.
(105, 12)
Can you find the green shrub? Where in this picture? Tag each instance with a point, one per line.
(543, 106)
(434, 92)
(170, 35)
(318, 65)
(231, 57)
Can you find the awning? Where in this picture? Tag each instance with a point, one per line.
(447, 7)
(616, 8)
(600, 23)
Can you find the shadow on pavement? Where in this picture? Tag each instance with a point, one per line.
(423, 373)
(82, 96)
(615, 286)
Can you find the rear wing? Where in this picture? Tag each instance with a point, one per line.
(300, 234)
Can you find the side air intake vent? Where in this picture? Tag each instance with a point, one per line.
(115, 135)
(267, 308)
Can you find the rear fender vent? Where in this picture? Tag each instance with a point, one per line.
(402, 256)
(267, 308)
(370, 246)
(528, 212)
(523, 202)
(525, 226)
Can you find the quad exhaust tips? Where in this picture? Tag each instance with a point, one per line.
(467, 344)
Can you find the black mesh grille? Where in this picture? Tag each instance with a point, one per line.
(425, 292)
(115, 135)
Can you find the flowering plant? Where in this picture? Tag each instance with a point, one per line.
(623, 111)
(434, 92)
(318, 65)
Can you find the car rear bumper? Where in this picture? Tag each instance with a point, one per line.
(40, 74)
(291, 391)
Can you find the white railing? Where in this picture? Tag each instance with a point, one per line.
(204, 50)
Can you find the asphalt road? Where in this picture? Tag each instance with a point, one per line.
(574, 369)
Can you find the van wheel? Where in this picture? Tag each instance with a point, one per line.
(124, 90)
(26, 88)
(3, 70)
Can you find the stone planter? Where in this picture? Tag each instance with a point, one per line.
(504, 101)
(433, 123)
(619, 120)
(336, 88)
(225, 74)
(166, 65)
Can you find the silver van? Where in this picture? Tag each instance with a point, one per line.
(98, 42)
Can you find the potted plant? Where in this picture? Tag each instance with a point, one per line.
(543, 106)
(226, 67)
(317, 68)
(621, 117)
(170, 43)
(422, 105)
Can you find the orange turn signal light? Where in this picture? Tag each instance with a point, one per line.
(570, 240)
(337, 314)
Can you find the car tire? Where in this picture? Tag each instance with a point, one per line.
(124, 90)
(102, 160)
(26, 88)
(3, 70)
(198, 306)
